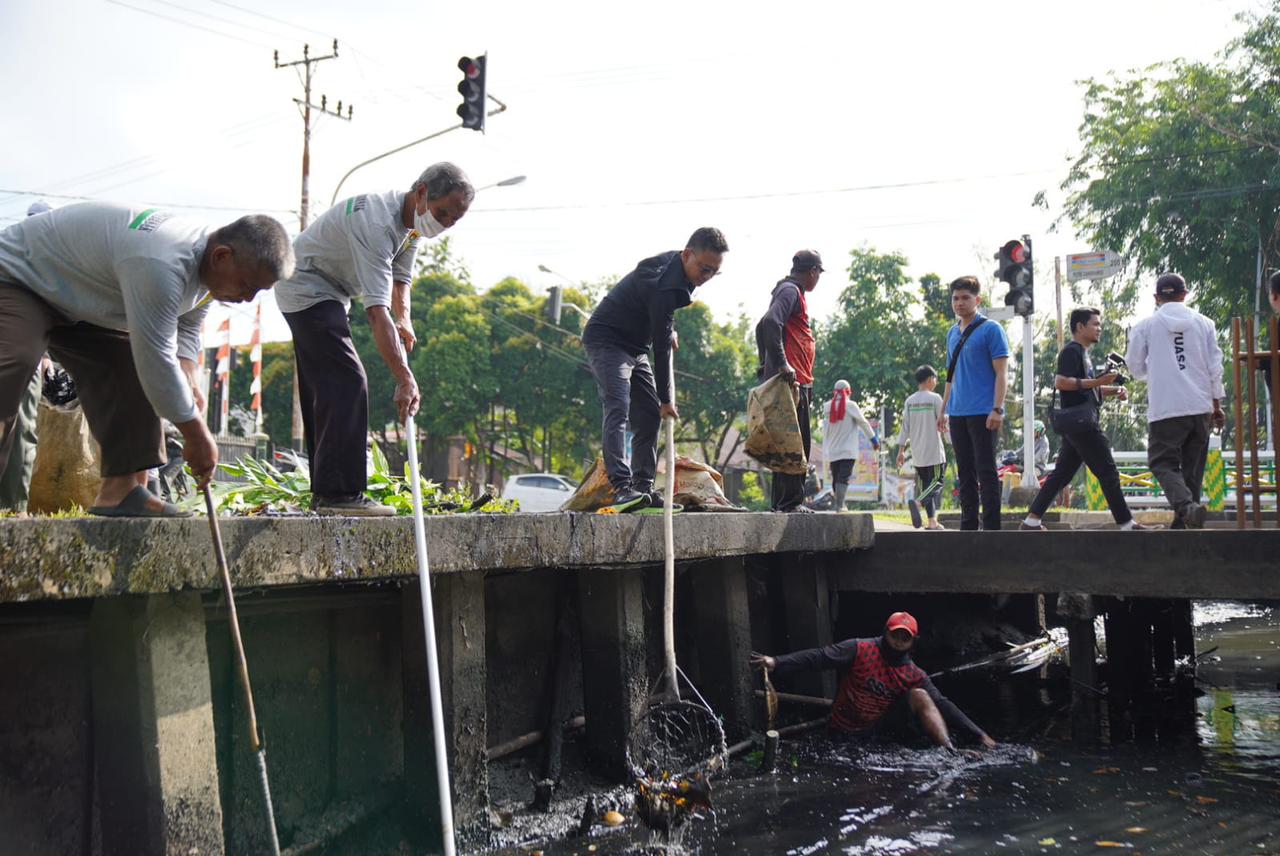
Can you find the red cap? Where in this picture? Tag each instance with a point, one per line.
(902, 621)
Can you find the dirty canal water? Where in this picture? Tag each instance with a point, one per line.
(1194, 772)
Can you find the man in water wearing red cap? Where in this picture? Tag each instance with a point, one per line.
(882, 693)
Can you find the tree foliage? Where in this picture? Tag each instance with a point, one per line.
(884, 327)
(1178, 170)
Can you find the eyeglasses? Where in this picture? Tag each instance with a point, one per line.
(708, 271)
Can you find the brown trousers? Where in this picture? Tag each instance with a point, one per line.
(120, 417)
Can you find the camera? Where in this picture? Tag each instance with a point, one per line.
(1115, 363)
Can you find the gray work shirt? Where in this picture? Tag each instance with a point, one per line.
(123, 268)
(357, 248)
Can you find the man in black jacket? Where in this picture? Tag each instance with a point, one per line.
(638, 313)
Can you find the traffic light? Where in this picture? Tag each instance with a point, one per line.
(555, 303)
(1014, 267)
(471, 110)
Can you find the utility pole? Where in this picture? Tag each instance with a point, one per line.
(304, 209)
(305, 107)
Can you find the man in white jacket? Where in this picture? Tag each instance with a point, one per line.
(840, 438)
(1176, 351)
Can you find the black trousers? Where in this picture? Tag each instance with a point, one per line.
(1093, 449)
(788, 490)
(930, 480)
(334, 394)
(975, 447)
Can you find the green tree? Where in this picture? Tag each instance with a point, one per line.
(1178, 170)
(882, 330)
(715, 367)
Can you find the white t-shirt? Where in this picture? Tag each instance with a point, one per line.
(123, 268)
(357, 248)
(920, 415)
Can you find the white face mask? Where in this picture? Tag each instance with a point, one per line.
(426, 224)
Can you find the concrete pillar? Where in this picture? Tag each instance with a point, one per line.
(153, 726)
(615, 684)
(806, 600)
(1162, 637)
(1119, 676)
(1085, 692)
(1143, 660)
(458, 604)
(1184, 635)
(723, 639)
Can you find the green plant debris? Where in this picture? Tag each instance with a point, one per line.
(268, 490)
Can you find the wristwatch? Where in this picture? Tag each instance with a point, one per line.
(999, 410)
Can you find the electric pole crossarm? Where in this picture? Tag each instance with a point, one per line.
(307, 59)
(323, 108)
(500, 108)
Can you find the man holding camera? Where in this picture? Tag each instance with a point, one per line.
(1083, 442)
(1176, 351)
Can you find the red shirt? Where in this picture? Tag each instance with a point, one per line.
(870, 686)
(797, 341)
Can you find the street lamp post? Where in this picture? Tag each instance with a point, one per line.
(506, 182)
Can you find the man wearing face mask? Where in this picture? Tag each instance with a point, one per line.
(882, 693)
(638, 314)
(362, 247)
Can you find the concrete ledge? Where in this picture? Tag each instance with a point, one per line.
(1225, 564)
(56, 558)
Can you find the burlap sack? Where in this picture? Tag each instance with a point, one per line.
(773, 432)
(699, 487)
(68, 461)
(594, 493)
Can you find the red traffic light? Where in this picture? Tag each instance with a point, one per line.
(1015, 252)
(469, 67)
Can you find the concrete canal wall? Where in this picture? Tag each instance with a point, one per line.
(122, 729)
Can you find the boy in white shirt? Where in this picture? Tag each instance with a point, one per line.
(920, 416)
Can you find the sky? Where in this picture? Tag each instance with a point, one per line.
(920, 127)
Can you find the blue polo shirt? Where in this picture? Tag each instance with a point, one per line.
(973, 388)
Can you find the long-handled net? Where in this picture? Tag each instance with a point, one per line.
(678, 743)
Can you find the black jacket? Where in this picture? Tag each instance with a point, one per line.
(639, 312)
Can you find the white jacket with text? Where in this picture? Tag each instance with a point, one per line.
(1176, 351)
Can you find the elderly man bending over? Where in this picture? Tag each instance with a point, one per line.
(118, 296)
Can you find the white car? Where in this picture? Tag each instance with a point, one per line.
(539, 491)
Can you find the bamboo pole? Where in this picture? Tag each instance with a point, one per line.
(1254, 483)
(1272, 334)
(1236, 409)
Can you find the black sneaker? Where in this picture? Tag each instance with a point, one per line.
(357, 505)
(1193, 515)
(914, 507)
(630, 500)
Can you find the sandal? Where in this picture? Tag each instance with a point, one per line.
(134, 504)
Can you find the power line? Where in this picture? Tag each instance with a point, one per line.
(158, 204)
(1204, 193)
(223, 20)
(270, 18)
(189, 24)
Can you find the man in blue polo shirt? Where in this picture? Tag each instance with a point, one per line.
(973, 403)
